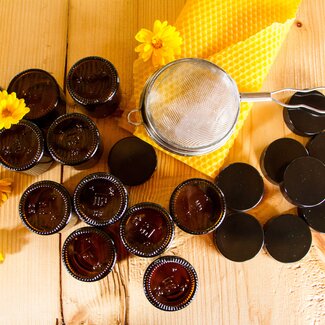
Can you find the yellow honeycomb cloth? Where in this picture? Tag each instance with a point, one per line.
(242, 37)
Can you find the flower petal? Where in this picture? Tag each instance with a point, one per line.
(144, 35)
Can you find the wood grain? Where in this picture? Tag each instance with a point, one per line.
(34, 286)
(33, 35)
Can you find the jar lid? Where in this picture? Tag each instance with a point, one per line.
(316, 146)
(146, 229)
(197, 206)
(39, 89)
(73, 139)
(242, 186)
(92, 80)
(132, 160)
(278, 155)
(314, 216)
(240, 237)
(45, 207)
(302, 122)
(21, 146)
(89, 254)
(304, 182)
(170, 283)
(287, 238)
(100, 199)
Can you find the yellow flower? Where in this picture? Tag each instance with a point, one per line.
(1, 257)
(161, 45)
(5, 189)
(12, 109)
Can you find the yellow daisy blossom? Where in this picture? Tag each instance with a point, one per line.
(5, 189)
(12, 109)
(161, 45)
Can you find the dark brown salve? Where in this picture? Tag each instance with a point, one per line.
(93, 82)
(41, 93)
(22, 149)
(45, 207)
(89, 254)
(100, 199)
(74, 140)
(197, 206)
(147, 229)
(170, 283)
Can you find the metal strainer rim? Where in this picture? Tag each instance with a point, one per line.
(160, 139)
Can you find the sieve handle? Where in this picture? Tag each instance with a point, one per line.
(281, 97)
(131, 121)
(256, 97)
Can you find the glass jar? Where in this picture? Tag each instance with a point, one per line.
(45, 208)
(42, 95)
(170, 283)
(146, 229)
(100, 199)
(197, 206)
(93, 82)
(74, 140)
(22, 149)
(89, 254)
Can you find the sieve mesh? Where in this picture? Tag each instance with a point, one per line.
(191, 105)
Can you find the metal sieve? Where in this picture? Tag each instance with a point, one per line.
(191, 106)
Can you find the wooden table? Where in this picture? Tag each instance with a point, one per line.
(35, 288)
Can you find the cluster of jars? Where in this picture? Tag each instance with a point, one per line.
(197, 206)
(48, 134)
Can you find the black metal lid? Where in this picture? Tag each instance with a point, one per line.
(132, 160)
(314, 216)
(100, 199)
(197, 206)
(278, 155)
(302, 122)
(21, 146)
(92, 80)
(316, 146)
(287, 238)
(240, 237)
(39, 89)
(242, 186)
(89, 254)
(304, 182)
(146, 229)
(170, 283)
(45, 207)
(72, 139)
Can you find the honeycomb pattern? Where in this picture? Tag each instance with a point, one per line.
(241, 36)
(212, 25)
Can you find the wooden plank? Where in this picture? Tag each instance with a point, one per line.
(33, 35)
(108, 30)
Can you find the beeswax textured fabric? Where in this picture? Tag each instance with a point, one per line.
(243, 37)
